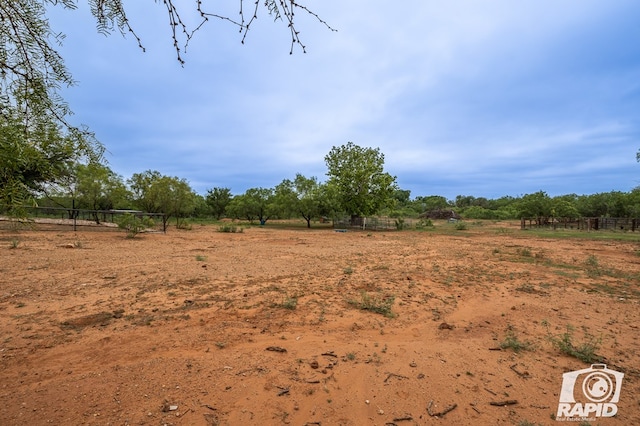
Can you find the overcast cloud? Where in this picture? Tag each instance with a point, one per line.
(485, 98)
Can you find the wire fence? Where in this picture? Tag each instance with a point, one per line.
(582, 223)
(75, 218)
(374, 223)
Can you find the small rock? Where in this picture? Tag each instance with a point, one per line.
(445, 326)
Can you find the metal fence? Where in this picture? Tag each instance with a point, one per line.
(582, 223)
(373, 223)
(90, 218)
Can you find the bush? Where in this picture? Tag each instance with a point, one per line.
(379, 305)
(585, 352)
(460, 226)
(424, 223)
(133, 224)
(230, 228)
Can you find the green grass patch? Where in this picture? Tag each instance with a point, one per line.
(377, 304)
(585, 351)
(511, 341)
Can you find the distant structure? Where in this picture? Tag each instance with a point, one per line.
(440, 214)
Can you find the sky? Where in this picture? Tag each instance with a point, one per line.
(487, 98)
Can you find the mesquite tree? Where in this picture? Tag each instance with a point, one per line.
(358, 176)
(32, 72)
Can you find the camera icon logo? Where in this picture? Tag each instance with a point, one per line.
(593, 391)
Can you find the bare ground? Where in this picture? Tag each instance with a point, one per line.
(308, 327)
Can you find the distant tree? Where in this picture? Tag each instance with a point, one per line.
(285, 200)
(433, 202)
(357, 174)
(402, 197)
(155, 193)
(477, 212)
(140, 184)
(255, 203)
(303, 197)
(99, 188)
(175, 198)
(201, 208)
(463, 201)
(608, 204)
(310, 197)
(505, 202)
(633, 203)
(218, 199)
(535, 205)
(561, 207)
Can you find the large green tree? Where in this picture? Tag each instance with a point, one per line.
(99, 188)
(38, 145)
(301, 197)
(357, 174)
(255, 203)
(218, 199)
(36, 154)
(155, 193)
(536, 205)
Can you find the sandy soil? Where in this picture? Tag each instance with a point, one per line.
(271, 326)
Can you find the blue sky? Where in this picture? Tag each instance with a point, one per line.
(484, 98)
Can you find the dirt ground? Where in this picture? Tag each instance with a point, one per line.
(309, 327)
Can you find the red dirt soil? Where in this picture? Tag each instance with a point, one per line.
(287, 326)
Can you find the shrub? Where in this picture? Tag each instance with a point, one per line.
(585, 351)
(230, 228)
(424, 223)
(511, 341)
(133, 224)
(379, 305)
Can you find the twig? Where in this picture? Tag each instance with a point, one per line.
(276, 349)
(330, 354)
(283, 391)
(498, 348)
(524, 375)
(403, 419)
(443, 412)
(503, 403)
(490, 391)
(474, 408)
(186, 411)
(399, 376)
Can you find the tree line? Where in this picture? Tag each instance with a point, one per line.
(356, 186)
